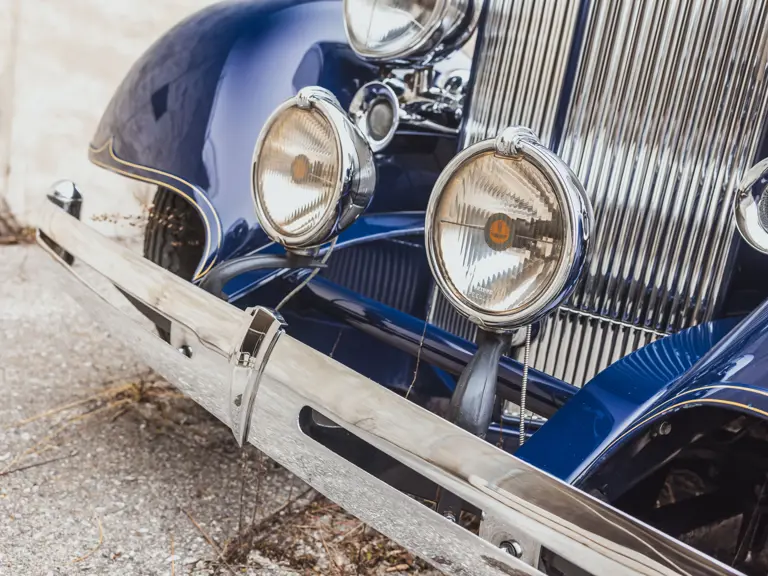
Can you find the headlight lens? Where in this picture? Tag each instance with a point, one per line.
(402, 29)
(507, 231)
(300, 155)
(499, 233)
(313, 171)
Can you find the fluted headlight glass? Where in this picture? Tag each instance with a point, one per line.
(506, 232)
(313, 171)
(298, 171)
(499, 228)
(399, 29)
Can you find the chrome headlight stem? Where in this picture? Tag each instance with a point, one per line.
(520, 144)
(355, 177)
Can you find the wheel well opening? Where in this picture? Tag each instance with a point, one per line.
(701, 476)
(175, 235)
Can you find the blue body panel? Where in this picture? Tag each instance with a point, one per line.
(189, 112)
(187, 117)
(616, 398)
(715, 364)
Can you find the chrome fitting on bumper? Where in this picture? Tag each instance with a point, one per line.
(242, 367)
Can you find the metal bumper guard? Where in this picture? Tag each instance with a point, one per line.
(241, 367)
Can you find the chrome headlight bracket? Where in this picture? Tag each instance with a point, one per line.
(356, 173)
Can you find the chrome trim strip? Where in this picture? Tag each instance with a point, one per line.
(613, 322)
(105, 157)
(665, 114)
(568, 522)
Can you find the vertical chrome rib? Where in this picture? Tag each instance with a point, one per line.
(522, 60)
(665, 113)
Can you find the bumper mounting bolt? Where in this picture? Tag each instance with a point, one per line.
(512, 547)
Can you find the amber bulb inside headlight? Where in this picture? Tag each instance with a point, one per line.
(313, 171)
(507, 231)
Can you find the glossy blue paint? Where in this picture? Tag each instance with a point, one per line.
(618, 396)
(446, 351)
(187, 117)
(713, 364)
(368, 228)
(193, 105)
(189, 112)
(732, 375)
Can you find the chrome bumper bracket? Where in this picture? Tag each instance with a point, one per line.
(66, 196)
(248, 360)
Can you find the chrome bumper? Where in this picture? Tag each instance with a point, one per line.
(241, 367)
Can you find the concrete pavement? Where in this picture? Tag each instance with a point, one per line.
(106, 470)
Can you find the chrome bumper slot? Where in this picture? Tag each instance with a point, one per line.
(231, 351)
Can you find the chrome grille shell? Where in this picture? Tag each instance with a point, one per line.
(659, 108)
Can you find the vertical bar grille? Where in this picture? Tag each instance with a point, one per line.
(522, 59)
(665, 113)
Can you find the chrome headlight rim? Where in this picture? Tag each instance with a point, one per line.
(451, 25)
(747, 205)
(355, 176)
(577, 221)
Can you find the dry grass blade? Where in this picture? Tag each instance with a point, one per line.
(35, 465)
(243, 475)
(331, 557)
(173, 559)
(238, 547)
(351, 532)
(271, 516)
(95, 548)
(53, 411)
(210, 541)
(59, 429)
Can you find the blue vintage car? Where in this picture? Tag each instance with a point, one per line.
(508, 258)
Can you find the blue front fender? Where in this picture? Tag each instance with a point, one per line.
(721, 364)
(188, 113)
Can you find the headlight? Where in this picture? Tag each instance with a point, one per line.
(507, 230)
(313, 171)
(408, 29)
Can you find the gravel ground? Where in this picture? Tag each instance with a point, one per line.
(105, 469)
